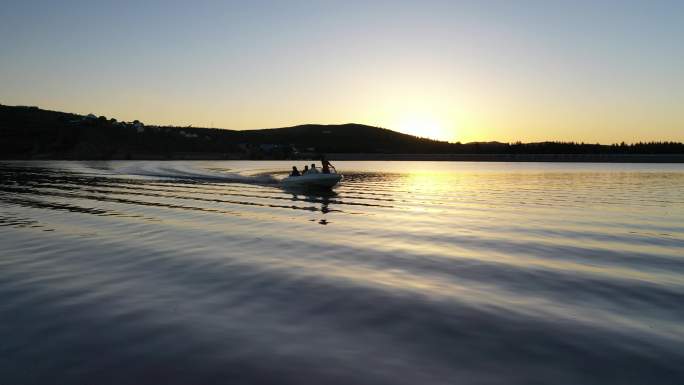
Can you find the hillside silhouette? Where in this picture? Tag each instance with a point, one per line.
(34, 133)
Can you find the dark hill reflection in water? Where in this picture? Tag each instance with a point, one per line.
(408, 273)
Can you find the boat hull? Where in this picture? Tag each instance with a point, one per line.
(312, 180)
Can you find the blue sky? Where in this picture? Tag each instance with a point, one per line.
(457, 70)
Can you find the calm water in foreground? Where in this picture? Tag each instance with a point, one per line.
(408, 273)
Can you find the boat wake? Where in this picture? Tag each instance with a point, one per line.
(184, 171)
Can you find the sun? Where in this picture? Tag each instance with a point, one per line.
(422, 126)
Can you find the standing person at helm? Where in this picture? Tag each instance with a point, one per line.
(326, 165)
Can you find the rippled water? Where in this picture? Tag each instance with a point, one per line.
(408, 273)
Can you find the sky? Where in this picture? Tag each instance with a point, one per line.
(591, 71)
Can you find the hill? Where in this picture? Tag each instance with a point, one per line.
(30, 132)
(34, 133)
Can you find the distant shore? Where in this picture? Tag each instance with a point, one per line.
(607, 158)
(32, 133)
(597, 158)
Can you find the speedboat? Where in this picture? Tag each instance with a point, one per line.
(313, 180)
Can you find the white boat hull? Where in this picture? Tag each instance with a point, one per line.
(312, 180)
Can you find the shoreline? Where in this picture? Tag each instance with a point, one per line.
(577, 158)
(580, 158)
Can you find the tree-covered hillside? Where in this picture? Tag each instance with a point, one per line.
(33, 133)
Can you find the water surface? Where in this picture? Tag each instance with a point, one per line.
(406, 273)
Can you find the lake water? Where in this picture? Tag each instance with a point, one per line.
(407, 273)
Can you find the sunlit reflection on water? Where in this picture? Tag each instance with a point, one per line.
(408, 272)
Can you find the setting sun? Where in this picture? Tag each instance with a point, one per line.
(422, 125)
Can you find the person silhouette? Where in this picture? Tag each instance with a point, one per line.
(326, 165)
(295, 172)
